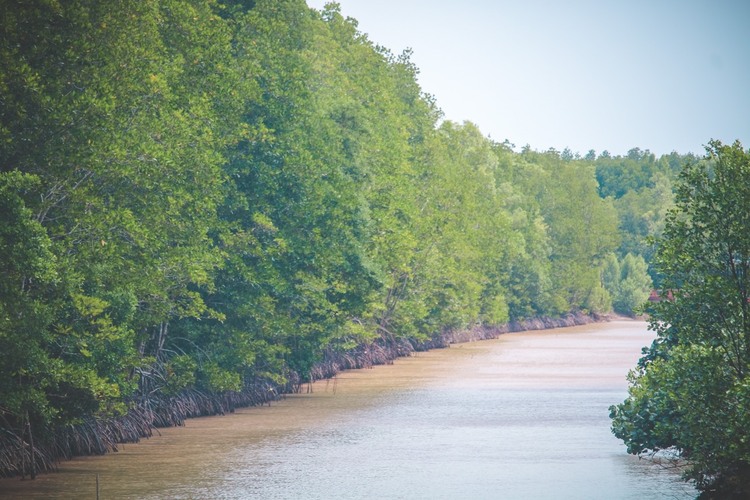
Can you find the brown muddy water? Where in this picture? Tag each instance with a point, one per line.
(521, 417)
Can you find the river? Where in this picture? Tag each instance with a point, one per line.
(521, 417)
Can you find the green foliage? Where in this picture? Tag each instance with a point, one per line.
(618, 175)
(690, 389)
(627, 282)
(634, 286)
(107, 110)
(640, 186)
(27, 287)
(566, 194)
(180, 374)
(642, 214)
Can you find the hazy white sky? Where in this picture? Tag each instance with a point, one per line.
(663, 75)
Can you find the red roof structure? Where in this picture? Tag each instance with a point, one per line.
(656, 297)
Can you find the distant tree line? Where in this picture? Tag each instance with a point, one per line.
(204, 197)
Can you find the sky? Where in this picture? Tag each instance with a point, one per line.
(660, 75)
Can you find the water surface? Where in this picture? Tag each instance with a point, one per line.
(523, 416)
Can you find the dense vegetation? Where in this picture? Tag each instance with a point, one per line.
(205, 200)
(691, 391)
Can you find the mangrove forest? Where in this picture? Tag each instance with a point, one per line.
(208, 203)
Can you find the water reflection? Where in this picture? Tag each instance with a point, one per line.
(525, 416)
(457, 444)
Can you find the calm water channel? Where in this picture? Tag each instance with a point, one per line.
(521, 417)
